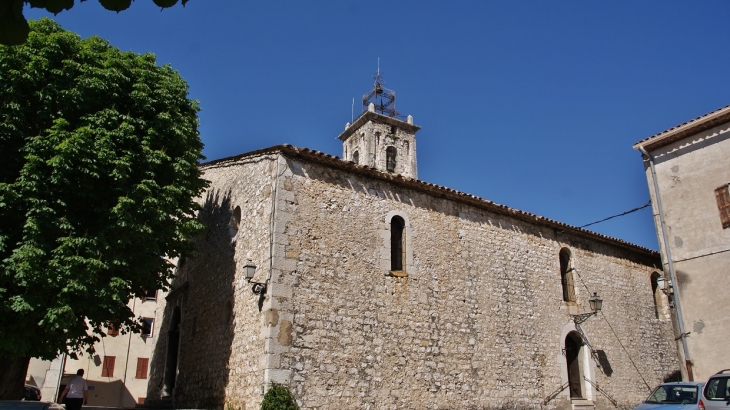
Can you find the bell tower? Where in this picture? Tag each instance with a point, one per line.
(379, 137)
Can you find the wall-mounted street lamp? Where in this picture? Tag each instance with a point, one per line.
(596, 303)
(664, 285)
(249, 269)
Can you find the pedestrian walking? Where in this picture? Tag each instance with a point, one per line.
(76, 392)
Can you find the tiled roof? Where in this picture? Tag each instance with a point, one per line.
(680, 131)
(436, 190)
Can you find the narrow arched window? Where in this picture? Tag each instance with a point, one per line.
(397, 243)
(235, 222)
(390, 154)
(356, 157)
(566, 275)
(656, 294)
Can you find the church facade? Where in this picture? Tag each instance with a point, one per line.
(373, 289)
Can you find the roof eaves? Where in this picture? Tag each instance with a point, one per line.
(699, 124)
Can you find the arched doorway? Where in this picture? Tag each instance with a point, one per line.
(573, 348)
(173, 344)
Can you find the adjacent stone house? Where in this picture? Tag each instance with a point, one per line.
(688, 171)
(373, 289)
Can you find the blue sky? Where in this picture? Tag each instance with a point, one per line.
(531, 104)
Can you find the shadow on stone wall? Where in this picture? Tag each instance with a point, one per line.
(605, 364)
(202, 291)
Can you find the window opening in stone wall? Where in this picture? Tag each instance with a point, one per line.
(390, 154)
(107, 369)
(356, 157)
(142, 366)
(656, 294)
(235, 222)
(566, 275)
(397, 244)
(722, 195)
(147, 326)
(406, 147)
(377, 146)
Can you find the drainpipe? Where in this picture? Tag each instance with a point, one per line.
(672, 276)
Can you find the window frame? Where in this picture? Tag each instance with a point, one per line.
(107, 366)
(567, 279)
(151, 322)
(142, 371)
(722, 196)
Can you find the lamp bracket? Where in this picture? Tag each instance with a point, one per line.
(578, 319)
(258, 288)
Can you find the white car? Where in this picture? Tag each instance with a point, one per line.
(716, 393)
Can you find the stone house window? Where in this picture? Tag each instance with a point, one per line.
(396, 253)
(722, 195)
(356, 157)
(147, 326)
(107, 369)
(566, 275)
(235, 222)
(112, 331)
(390, 154)
(657, 295)
(150, 295)
(142, 366)
(397, 245)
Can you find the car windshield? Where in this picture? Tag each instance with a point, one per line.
(674, 394)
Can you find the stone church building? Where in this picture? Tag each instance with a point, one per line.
(372, 289)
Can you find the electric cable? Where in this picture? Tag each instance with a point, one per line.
(616, 216)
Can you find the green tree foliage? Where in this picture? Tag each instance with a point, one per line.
(14, 28)
(99, 154)
(278, 397)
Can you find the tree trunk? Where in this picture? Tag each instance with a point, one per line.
(12, 377)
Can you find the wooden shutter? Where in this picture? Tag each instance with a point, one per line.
(112, 331)
(107, 369)
(140, 400)
(723, 204)
(142, 364)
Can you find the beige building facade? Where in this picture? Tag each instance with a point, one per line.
(372, 289)
(688, 171)
(118, 371)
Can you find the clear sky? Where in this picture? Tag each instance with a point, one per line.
(531, 104)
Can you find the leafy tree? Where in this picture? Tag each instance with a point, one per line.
(99, 154)
(14, 28)
(278, 397)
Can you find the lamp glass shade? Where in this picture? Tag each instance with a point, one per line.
(661, 283)
(596, 302)
(249, 269)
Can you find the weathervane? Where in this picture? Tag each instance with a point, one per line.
(382, 98)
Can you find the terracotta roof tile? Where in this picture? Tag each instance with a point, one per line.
(336, 162)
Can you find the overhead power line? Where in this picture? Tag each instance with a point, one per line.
(616, 216)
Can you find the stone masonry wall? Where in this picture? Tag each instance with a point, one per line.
(479, 322)
(220, 334)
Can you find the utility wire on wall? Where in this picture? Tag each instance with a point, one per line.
(616, 216)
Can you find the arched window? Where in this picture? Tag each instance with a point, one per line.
(397, 244)
(235, 222)
(566, 275)
(657, 294)
(356, 157)
(390, 154)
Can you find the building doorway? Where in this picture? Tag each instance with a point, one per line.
(573, 349)
(173, 345)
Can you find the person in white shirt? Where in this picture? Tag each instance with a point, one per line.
(76, 392)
